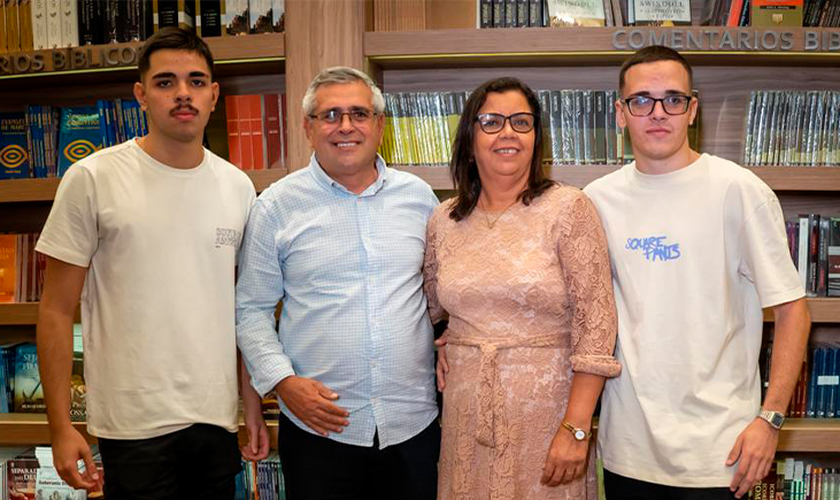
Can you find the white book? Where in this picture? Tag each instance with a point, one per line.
(53, 23)
(40, 40)
(69, 23)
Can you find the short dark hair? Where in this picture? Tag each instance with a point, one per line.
(462, 166)
(173, 38)
(652, 54)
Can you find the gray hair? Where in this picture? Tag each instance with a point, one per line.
(341, 74)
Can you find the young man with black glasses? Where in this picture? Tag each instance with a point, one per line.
(698, 248)
(341, 244)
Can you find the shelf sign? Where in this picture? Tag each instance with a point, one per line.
(77, 58)
(727, 40)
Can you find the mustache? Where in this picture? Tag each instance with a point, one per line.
(186, 107)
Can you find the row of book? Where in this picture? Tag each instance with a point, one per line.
(814, 244)
(20, 383)
(792, 128)
(817, 391)
(27, 25)
(21, 268)
(257, 130)
(29, 474)
(261, 480)
(562, 13)
(795, 479)
(579, 128)
(44, 141)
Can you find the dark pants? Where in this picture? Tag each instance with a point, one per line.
(623, 488)
(318, 468)
(199, 462)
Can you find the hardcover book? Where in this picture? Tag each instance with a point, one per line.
(661, 12)
(14, 146)
(29, 393)
(775, 13)
(576, 13)
(80, 135)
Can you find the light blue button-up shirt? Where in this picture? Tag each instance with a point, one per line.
(348, 269)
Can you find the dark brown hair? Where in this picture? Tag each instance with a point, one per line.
(652, 54)
(173, 38)
(462, 166)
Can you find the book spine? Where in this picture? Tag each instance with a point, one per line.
(40, 40)
(486, 13)
(234, 143)
(12, 26)
(69, 23)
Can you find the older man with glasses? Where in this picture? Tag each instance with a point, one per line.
(341, 244)
(698, 248)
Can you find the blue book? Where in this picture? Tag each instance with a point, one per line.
(79, 136)
(14, 146)
(831, 382)
(811, 403)
(103, 130)
(821, 382)
(29, 393)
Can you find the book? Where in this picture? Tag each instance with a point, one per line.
(91, 22)
(775, 13)
(8, 267)
(38, 11)
(29, 393)
(260, 12)
(209, 18)
(14, 146)
(79, 135)
(278, 13)
(54, 38)
(576, 13)
(12, 28)
(833, 250)
(69, 23)
(25, 25)
(661, 12)
(237, 18)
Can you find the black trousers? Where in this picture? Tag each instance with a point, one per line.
(199, 462)
(623, 488)
(318, 468)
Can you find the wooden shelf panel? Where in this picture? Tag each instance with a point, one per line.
(24, 313)
(810, 435)
(31, 429)
(251, 53)
(823, 310)
(778, 178)
(557, 47)
(40, 190)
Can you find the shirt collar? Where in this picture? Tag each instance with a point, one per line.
(328, 182)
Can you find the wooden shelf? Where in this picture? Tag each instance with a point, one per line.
(249, 54)
(41, 190)
(798, 435)
(778, 178)
(823, 310)
(504, 47)
(24, 313)
(31, 429)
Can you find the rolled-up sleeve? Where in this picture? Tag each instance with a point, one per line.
(258, 290)
(582, 249)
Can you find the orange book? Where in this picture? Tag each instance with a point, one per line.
(255, 122)
(8, 276)
(234, 145)
(271, 126)
(245, 139)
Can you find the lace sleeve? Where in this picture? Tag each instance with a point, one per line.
(430, 269)
(582, 248)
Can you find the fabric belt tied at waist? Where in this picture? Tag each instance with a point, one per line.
(490, 398)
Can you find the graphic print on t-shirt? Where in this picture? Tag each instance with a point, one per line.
(654, 248)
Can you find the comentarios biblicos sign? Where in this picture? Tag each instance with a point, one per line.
(729, 40)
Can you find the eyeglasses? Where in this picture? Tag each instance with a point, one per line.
(493, 123)
(359, 116)
(642, 105)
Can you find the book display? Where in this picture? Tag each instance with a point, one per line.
(768, 99)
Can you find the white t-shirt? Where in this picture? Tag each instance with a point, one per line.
(695, 255)
(158, 323)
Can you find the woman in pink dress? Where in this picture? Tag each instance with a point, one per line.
(519, 264)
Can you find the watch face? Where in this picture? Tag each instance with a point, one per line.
(777, 420)
(580, 435)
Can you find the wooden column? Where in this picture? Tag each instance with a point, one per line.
(319, 34)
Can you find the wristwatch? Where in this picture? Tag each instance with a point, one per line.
(774, 418)
(578, 434)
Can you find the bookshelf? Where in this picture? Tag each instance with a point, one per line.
(322, 33)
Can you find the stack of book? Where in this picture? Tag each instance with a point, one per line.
(790, 128)
(814, 244)
(27, 25)
(261, 480)
(44, 141)
(796, 479)
(21, 268)
(257, 131)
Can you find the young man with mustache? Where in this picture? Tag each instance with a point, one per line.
(147, 235)
(698, 248)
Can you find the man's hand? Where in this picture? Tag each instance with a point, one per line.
(566, 459)
(68, 447)
(310, 401)
(442, 367)
(257, 446)
(754, 451)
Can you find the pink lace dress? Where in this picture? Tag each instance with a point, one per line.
(530, 300)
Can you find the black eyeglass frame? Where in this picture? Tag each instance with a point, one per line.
(507, 118)
(688, 99)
